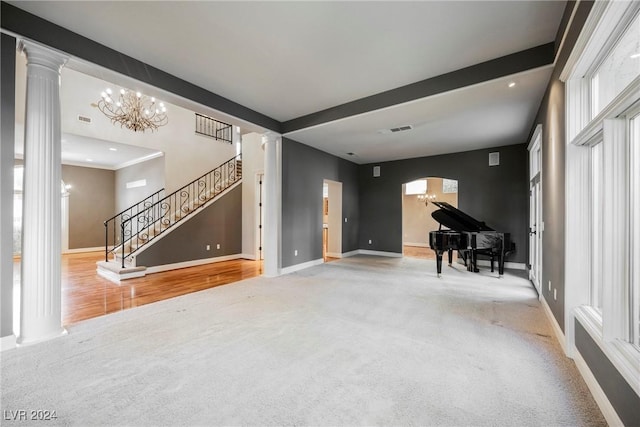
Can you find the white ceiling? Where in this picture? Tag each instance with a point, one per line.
(288, 59)
(489, 114)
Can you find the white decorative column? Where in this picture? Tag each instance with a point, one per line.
(40, 311)
(271, 233)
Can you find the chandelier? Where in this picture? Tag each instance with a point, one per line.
(133, 110)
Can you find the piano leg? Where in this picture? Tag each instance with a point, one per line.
(450, 251)
(474, 261)
(492, 259)
(463, 254)
(500, 264)
(439, 262)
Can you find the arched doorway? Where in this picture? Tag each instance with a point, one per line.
(416, 212)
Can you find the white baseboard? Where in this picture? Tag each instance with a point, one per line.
(8, 342)
(596, 391)
(252, 257)
(194, 263)
(380, 253)
(301, 266)
(81, 250)
(350, 253)
(417, 245)
(511, 265)
(554, 324)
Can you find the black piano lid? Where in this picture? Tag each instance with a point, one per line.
(455, 219)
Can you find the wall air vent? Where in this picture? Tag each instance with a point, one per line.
(84, 119)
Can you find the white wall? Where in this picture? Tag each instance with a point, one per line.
(252, 163)
(186, 155)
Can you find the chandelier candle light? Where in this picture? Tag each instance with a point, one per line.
(133, 110)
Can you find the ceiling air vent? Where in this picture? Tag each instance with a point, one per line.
(395, 130)
(84, 119)
(401, 128)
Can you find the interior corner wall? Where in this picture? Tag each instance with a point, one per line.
(7, 138)
(304, 170)
(497, 195)
(91, 202)
(252, 164)
(151, 171)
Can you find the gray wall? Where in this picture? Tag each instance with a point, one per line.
(7, 114)
(91, 202)
(622, 397)
(552, 117)
(497, 195)
(220, 223)
(151, 170)
(303, 171)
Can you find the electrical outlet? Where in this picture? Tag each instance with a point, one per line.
(208, 247)
(295, 253)
(218, 246)
(369, 241)
(555, 294)
(549, 285)
(345, 220)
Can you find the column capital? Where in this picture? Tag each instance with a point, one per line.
(38, 54)
(269, 137)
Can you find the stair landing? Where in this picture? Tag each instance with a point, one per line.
(114, 272)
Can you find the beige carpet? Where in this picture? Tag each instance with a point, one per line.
(359, 341)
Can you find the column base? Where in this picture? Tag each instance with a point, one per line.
(23, 341)
(8, 342)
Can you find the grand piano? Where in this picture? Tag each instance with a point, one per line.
(469, 237)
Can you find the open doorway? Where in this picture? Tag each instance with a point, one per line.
(331, 220)
(417, 209)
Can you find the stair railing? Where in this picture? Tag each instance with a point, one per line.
(112, 226)
(146, 225)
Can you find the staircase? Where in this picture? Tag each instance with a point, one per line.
(132, 229)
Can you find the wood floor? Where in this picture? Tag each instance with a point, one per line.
(86, 295)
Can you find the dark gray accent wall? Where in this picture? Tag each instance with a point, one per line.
(35, 28)
(497, 195)
(303, 171)
(551, 116)
(91, 202)
(152, 171)
(511, 64)
(7, 141)
(622, 397)
(219, 223)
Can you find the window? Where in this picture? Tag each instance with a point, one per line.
(634, 205)
(597, 164)
(619, 68)
(602, 251)
(416, 187)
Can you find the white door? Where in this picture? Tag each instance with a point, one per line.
(536, 225)
(535, 233)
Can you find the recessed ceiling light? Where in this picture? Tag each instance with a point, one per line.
(113, 149)
(512, 84)
(89, 160)
(635, 55)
